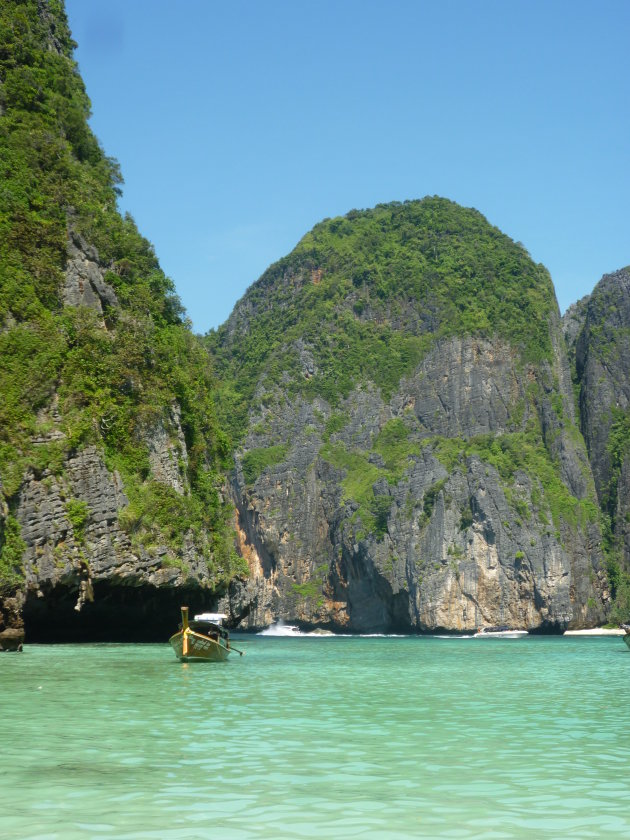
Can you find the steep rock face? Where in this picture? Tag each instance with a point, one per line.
(460, 545)
(622, 512)
(602, 353)
(112, 482)
(573, 322)
(84, 283)
(602, 366)
(464, 388)
(167, 450)
(76, 550)
(460, 497)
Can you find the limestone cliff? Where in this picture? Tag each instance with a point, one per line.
(437, 482)
(113, 502)
(601, 349)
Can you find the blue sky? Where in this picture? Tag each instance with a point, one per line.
(239, 125)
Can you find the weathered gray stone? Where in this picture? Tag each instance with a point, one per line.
(50, 22)
(84, 284)
(602, 360)
(573, 320)
(56, 556)
(602, 354)
(465, 387)
(473, 557)
(168, 455)
(622, 514)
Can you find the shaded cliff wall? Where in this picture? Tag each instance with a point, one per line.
(598, 336)
(602, 354)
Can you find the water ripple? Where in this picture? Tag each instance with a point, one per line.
(358, 737)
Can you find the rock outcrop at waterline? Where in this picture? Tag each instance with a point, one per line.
(452, 494)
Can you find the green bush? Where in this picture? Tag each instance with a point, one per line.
(256, 461)
(77, 512)
(380, 509)
(12, 548)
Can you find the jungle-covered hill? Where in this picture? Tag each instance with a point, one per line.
(101, 376)
(409, 453)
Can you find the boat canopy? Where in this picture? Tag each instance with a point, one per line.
(215, 618)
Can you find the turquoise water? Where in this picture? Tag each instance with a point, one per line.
(318, 738)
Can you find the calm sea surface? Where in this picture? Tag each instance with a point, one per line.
(318, 738)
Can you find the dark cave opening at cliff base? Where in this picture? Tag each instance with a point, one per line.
(117, 614)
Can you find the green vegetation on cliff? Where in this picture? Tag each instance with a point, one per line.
(11, 548)
(507, 453)
(618, 568)
(367, 296)
(395, 449)
(111, 377)
(523, 451)
(618, 449)
(257, 460)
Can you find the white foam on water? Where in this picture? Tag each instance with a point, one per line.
(382, 635)
(450, 636)
(281, 629)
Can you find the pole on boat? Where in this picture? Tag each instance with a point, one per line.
(184, 631)
(241, 652)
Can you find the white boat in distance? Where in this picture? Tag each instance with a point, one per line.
(282, 629)
(499, 633)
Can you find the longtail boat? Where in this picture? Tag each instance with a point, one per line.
(202, 639)
(626, 638)
(502, 632)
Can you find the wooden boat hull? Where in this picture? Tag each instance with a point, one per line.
(195, 647)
